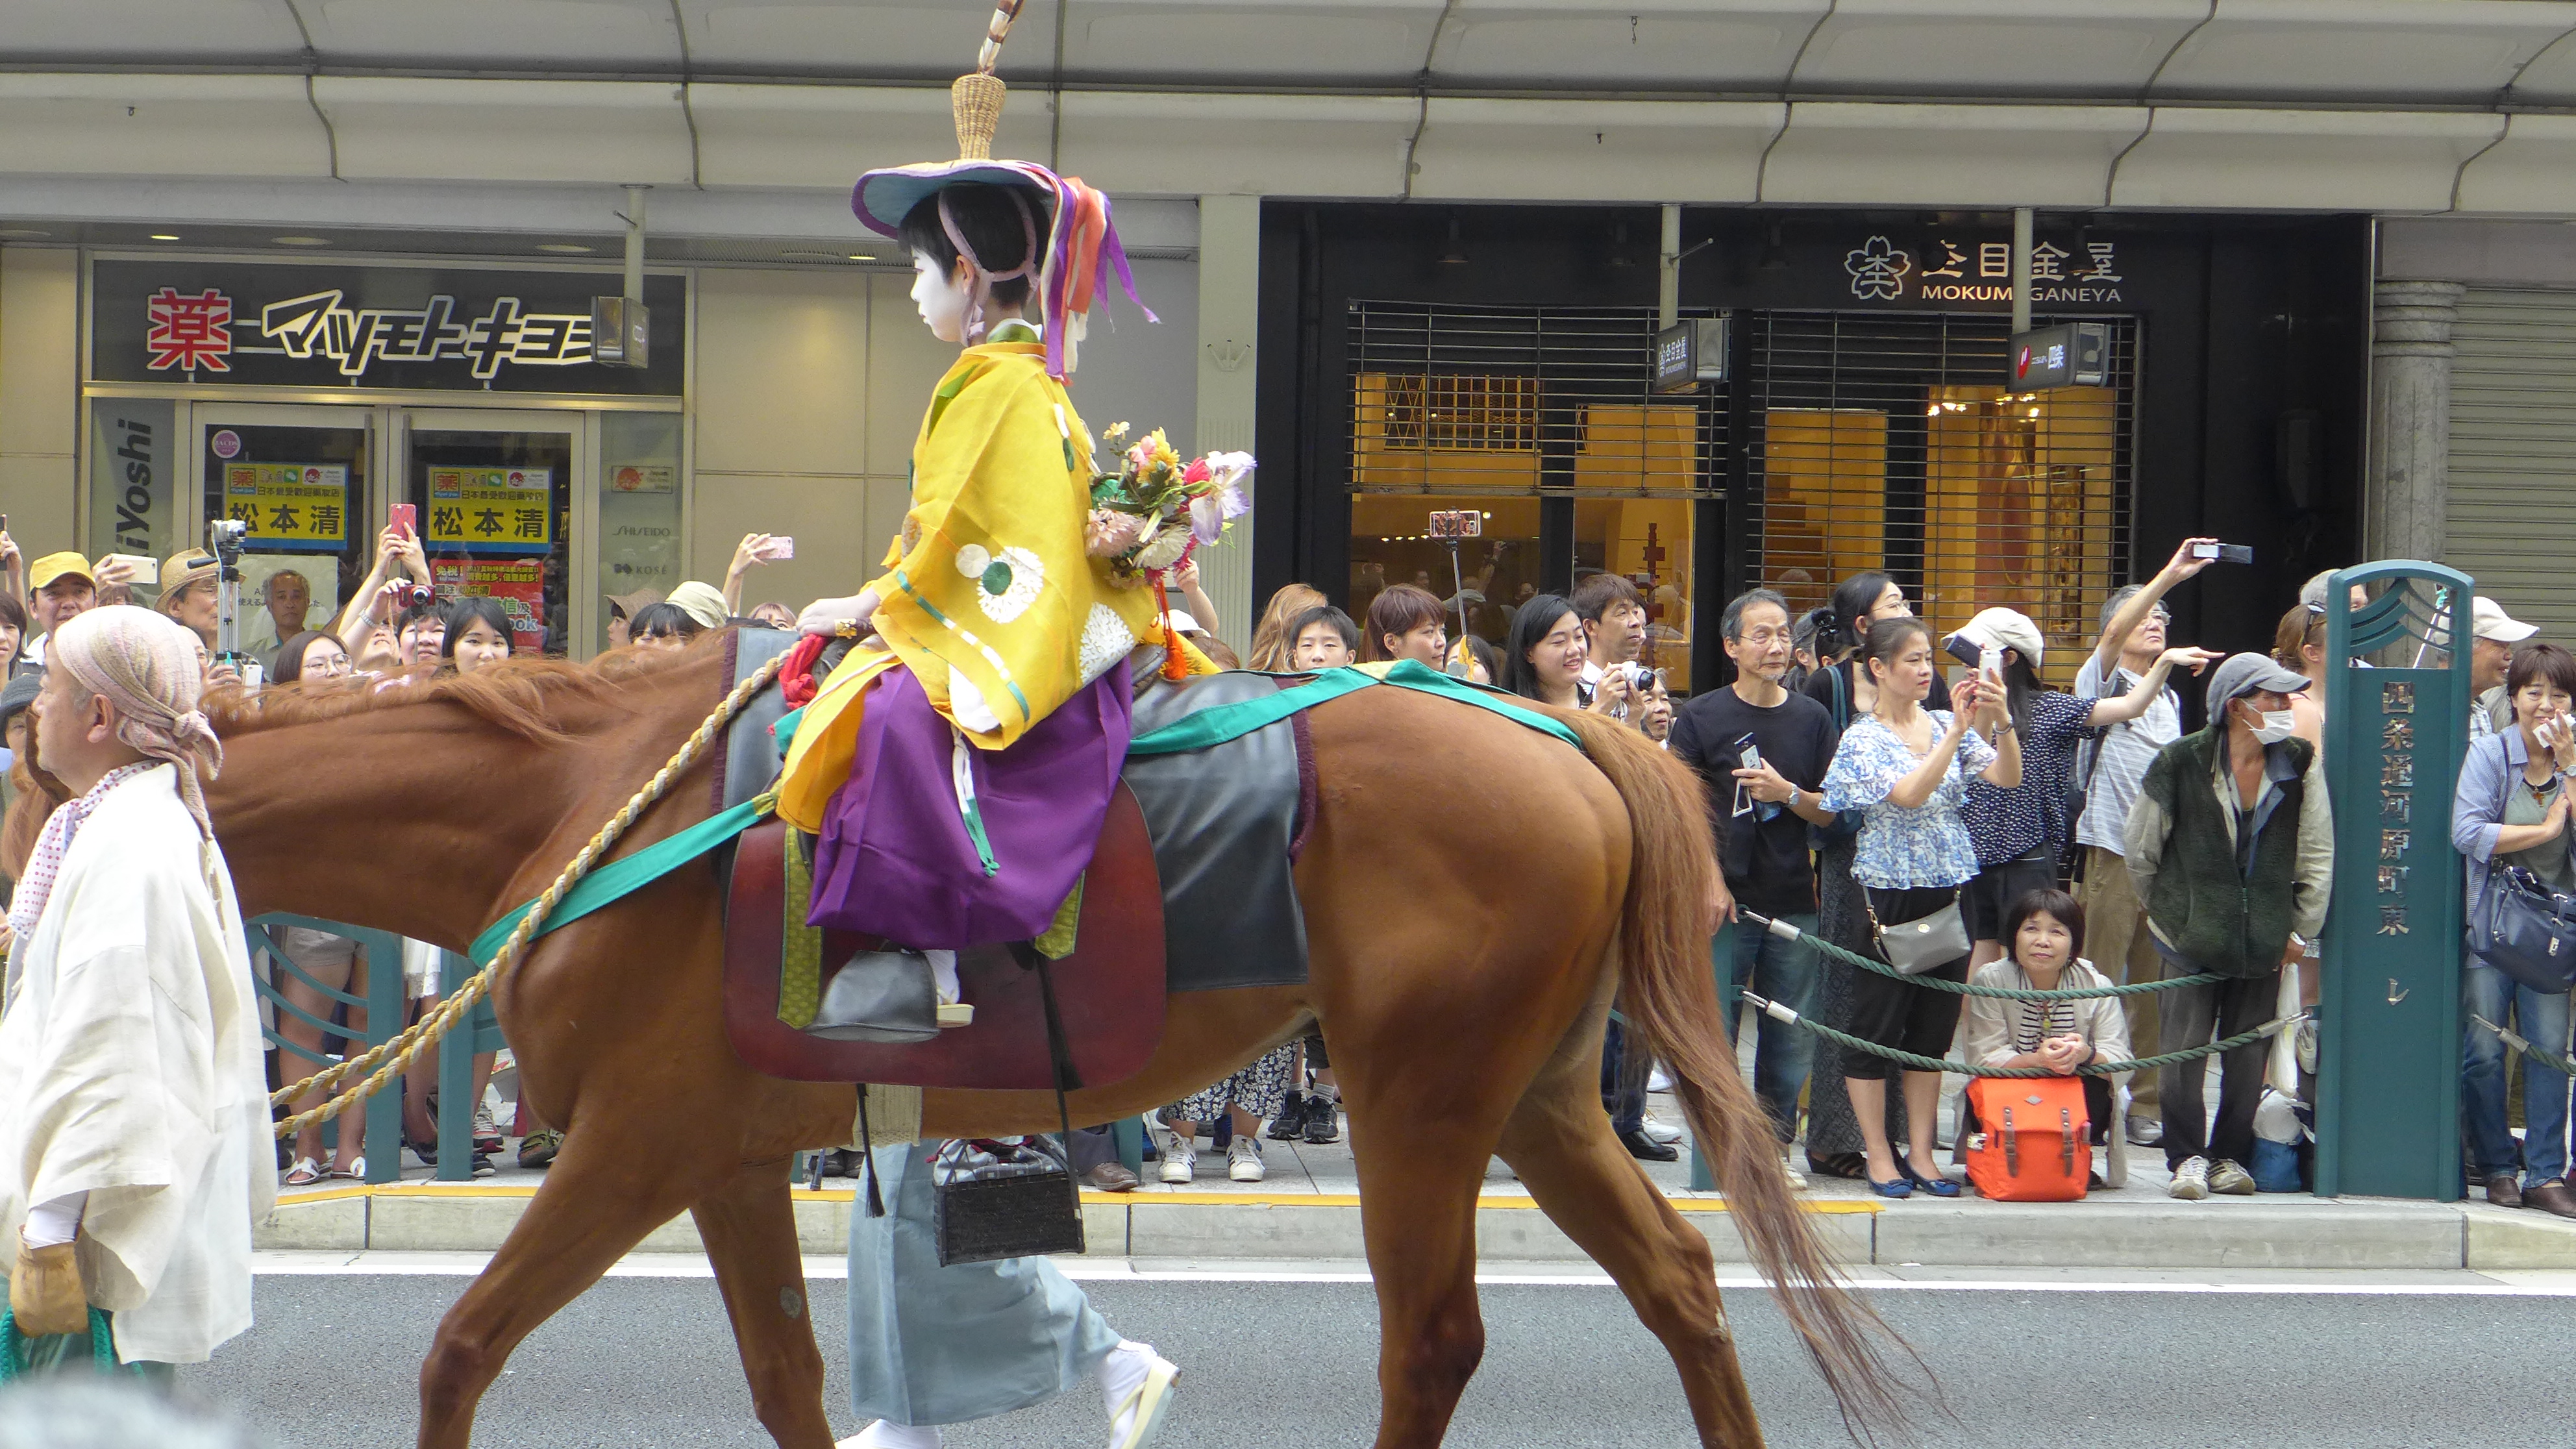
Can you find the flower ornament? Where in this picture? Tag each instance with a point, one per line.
(1163, 548)
(1109, 533)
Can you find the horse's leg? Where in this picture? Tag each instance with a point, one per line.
(1418, 1182)
(750, 1229)
(1560, 1143)
(618, 1178)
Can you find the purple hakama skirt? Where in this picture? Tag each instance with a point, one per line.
(895, 858)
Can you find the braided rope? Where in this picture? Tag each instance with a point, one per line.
(1786, 931)
(2090, 1069)
(427, 1032)
(2529, 1050)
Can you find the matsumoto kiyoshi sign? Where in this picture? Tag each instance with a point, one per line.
(1961, 270)
(248, 323)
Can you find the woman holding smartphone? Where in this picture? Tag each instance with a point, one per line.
(1907, 769)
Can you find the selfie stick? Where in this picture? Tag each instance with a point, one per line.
(1457, 666)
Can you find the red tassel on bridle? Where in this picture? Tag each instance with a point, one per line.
(1176, 665)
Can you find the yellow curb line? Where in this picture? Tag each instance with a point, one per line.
(1828, 1206)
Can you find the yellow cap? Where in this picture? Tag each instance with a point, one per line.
(55, 565)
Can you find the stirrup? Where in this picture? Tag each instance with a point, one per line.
(879, 996)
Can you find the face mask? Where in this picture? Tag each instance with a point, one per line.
(2277, 725)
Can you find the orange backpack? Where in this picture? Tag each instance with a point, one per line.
(2033, 1141)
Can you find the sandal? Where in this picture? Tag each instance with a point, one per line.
(356, 1171)
(304, 1173)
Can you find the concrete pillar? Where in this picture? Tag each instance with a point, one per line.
(1229, 338)
(40, 400)
(2406, 504)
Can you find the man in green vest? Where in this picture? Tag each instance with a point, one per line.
(2231, 844)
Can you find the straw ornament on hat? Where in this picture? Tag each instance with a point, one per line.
(1080, 246)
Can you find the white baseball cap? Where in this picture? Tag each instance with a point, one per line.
(2490, 621)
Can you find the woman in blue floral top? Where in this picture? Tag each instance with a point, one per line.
(1906, 769)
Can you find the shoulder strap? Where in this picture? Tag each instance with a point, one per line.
(1842, 702)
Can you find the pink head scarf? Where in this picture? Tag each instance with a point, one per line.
(146, 665)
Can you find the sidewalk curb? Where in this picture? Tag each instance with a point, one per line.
(2290, 1233)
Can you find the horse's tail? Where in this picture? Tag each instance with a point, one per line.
(1669, 997)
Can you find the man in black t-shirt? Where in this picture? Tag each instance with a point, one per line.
(1762, 806)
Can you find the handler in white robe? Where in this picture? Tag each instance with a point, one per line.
(134, 1132)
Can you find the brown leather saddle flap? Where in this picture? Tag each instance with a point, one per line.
(1109, 992)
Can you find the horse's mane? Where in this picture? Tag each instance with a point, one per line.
(522, 696)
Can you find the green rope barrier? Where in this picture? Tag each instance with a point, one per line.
(2546, 1058)
(1788, 932)
(2090, 1069)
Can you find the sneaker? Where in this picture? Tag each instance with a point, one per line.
(2191, 1180)
(1243, 1161)
(483, 1166)
(1658, 1081)
(1323, 1120)
(1290, 1124)
(1180, 1164)
(487, 1133)
(2225, 1176)
(1661, 1131)
(1136, 1384)
(1797, 1179)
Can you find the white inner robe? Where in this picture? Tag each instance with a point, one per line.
(130, 1069)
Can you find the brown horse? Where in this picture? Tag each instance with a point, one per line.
(1475, 895)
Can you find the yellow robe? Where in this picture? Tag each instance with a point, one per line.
(989, 586)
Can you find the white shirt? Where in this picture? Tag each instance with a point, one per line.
(130, 1071)
(2127, 750)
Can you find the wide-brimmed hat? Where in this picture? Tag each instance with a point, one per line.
(629, 604)
(19, 693)
(182, 569)
(1080, 246)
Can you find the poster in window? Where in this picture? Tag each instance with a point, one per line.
(491, 510)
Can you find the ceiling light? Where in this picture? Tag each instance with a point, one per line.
(863, 256)
(559, 248)
(165, 236)
(301, 241)
(22, 233)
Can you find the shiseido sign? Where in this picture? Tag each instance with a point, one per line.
(249, 324)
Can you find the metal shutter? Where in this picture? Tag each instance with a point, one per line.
(2512, 523)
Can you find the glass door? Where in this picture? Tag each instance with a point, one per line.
(497, 492)
(300, 479)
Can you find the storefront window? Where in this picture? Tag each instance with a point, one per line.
(1648, 541)
(133, 481)
(1391, 544)
(639, 507)
(301, 493)
(2020, 510)
(493, 511)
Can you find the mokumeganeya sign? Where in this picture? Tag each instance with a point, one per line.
(247, 323)
(1947, 271)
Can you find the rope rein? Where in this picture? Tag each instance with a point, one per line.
(1788, 932)
(402, 1049)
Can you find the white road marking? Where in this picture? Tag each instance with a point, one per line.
(2458, 1283)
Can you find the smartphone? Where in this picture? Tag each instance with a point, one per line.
(1749, 752)
(146, 568)
(1964, 650)
(779, 549)
(2235, 553)
(405, 516)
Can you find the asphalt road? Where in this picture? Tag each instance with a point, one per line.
(649, 1362)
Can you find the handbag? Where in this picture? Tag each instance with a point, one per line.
(1923, 943)
(14, 1361)
(2526, 931)
(993, 1200)
(1846, 823)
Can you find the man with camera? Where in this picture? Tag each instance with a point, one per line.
(1614, 625)
(2107, 775)
(1763, 752)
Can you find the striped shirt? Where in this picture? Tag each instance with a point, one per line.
(2126, 750)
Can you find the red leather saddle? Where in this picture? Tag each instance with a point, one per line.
(1109, 992)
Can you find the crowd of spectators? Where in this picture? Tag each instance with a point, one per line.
(1864, 773)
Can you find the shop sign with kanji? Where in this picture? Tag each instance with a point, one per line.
(1948, 269)
(491, 510)
(367, 325)
(290, 507)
